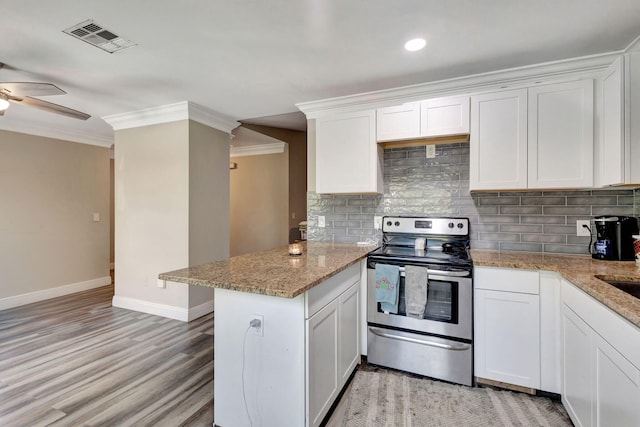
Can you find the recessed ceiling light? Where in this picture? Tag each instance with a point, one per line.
(415, 44)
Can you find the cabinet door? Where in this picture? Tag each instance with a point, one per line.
(348, 160)
(444, 116)
(560, 139)
(617, 387)
(498, 141)
(401, 122)
(322, 350)
(576, 368)
(349, 327)
(507, 337)
(611, 145)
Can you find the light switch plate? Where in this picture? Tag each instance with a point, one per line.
(96, 217)
(431, 151)
(377, 222)
(321, 222)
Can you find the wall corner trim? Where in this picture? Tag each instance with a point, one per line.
(31, 297)
(184, 110)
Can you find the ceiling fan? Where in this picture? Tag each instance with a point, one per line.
(21, 93)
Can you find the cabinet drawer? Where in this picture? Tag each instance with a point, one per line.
(506, 279)
(330, 289)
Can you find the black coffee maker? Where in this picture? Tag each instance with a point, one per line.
(613, 238)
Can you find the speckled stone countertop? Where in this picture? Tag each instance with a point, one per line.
(582, 271)
(274, 272)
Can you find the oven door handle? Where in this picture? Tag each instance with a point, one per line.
(440, 273)
(460, 347)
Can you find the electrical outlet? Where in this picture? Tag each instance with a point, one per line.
(161, 283)
(321, 222)
(257, 325)
(431, 151)
(581, 230)
(377, 222)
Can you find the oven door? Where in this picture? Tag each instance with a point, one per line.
(449, 304)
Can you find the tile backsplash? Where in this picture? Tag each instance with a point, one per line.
(543, 221)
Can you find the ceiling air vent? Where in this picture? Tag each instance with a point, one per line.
(94, 34)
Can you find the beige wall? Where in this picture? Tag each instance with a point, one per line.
(50, 190)
(259, 203)
(297, 171)
(112, 215)
(171, 212)
(208, 201)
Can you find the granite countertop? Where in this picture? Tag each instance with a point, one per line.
(582, 271)
(274, 272)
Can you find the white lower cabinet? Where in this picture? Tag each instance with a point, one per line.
(333, 336)
(601, 378)
(507, 326)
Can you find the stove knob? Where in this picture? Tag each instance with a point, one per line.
(397, 223)
(450, 225)
(460, 225)
(389, 223)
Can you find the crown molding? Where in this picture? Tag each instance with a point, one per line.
(634, 46)
(184, 110)
(258, 150)
(61, 134)
(513, 77)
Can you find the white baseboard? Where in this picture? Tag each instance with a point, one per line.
(31, 297)
(169, 311)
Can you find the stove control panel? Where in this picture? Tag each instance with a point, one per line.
(419, 225)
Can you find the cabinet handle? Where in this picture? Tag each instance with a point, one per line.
(458, 347)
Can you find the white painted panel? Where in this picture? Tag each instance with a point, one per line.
(550, 337)
(498, 141)
(399, 122)
(507, 337)
(349, 343)
(506, 279)
(611, 152)
(560, 137)
(444, 116)
(325, 292)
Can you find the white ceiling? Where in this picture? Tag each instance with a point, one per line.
(251, 59)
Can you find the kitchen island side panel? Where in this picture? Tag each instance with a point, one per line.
(274, 380)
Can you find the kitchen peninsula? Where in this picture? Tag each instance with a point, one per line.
(290, 369)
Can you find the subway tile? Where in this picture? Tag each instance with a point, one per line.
(540, 219)
(561, 201)
(612, 210)
(499, 237)
(513, 228)
(481, 210)
(559, 229)
(521, 210)
(499, 219)
(485, 228)
(477, 244)
(509, 200)
(521, 193)
(567, 193)
(522, 247)
(593, 200)
(567, 210)
(483, 195)
(625, 200)
(363, 202)
(544, 238)
(347, 209)
(347, 224)
(612, 191)
(359, 217)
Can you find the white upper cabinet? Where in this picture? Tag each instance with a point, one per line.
(401, 122)
(444, 116)
(560, 140)
(611, 144)
(498, 142)
(348, 160)
(535, 138)
(431, 118)
(618, 151)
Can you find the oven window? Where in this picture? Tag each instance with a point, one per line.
(442, 301)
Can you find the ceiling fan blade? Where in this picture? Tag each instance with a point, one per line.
(30, 89)
(50, 107)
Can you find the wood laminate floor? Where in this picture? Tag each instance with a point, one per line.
(78, 361)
